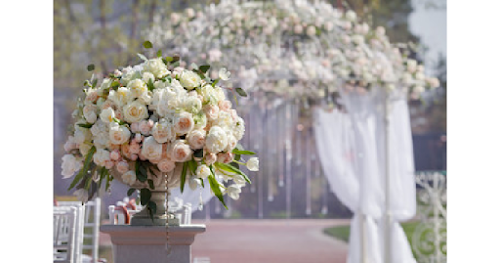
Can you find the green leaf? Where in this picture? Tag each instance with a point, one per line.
(142, 57)
(242, 152)
(175, 58)
(214, 185)
(192, 166)
(236, 165)
(119, 121)
(115, 85)
(90, 67)
(94, 83)
(140, 172)
(158, 54)
(231, 169)
(150, 85)
(130, 191)
(145, 196)
(85, 168)
(215, 82)
(147, 44)
(198, 153)
(151, 184)
(237, 157)
(183, 175)
(88, 181)
(241, 92)
(175, 64)
(102, 174)
(204, 68)
(85, 125)
(169, 59)
(108, 180)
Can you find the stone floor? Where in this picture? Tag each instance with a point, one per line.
(267, 241)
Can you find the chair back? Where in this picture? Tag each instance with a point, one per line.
(65, 234)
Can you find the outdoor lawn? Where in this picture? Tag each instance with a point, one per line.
(342, 232)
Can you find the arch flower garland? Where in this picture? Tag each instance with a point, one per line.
(152, 118)
(308, 49)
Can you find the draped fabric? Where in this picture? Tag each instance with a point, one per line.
(351, 147)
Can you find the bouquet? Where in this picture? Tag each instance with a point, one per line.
(155, 124)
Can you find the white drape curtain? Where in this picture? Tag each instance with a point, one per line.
(351, 147)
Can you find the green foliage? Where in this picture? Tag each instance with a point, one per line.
(130, 191)
(147, 44)
(91, 67)
(85, 168)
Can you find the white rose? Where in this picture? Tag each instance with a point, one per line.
(135, 112)
(157, 67)
(411, 65)
(70, 144)
(180, 152)
(253, 164)
(89, 112)
(70, 164)
(151, 149)
(121, 96)
(196, 139)
(166, 165)
(224, 74)
(81, 135)
(419, 76)
(233, 191)
(118, 134)
(163, 132)
(101, 156)
(122, 167)
(433, 82)
(137, 87)
(129, 177)
(212, 111)
(203, 171)
(210, 158)
(216, 140)
(189, 79)
(231, 143)
(107, 115)
(184, 123)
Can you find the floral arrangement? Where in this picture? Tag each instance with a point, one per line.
(325, 48)
(157, 118)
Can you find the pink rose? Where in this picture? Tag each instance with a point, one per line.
(134, 127)
(225, 157)
(115, 155)
(184, 123)
(126, 150)
(138, 137)
(210, 158)
(122, 167)
(144, 127)
(109, 164)
(135, 148)
(180, 152)
(166, 165)
(133, 157)
(212, 111)
(225, 105)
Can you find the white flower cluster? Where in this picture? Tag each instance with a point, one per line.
(161, 118)
(331, 47)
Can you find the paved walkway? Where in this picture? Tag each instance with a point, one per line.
(270, 241)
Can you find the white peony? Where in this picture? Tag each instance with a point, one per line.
(151, 149)
(122, 96)
(82, 135)
(70, 165)
(156, 67)
(189, 79)
(192, 104)
(148, 76)
(253, 164)
(129, 177)
(101, 156)
(107, 115)
(231, 142)
(135, 112)
(84, 148)
(216, 140)
(224, 74)
(350, 16)
(118, 134)
(203, 171)
(184, 123)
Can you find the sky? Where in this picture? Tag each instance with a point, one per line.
(430, 25)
